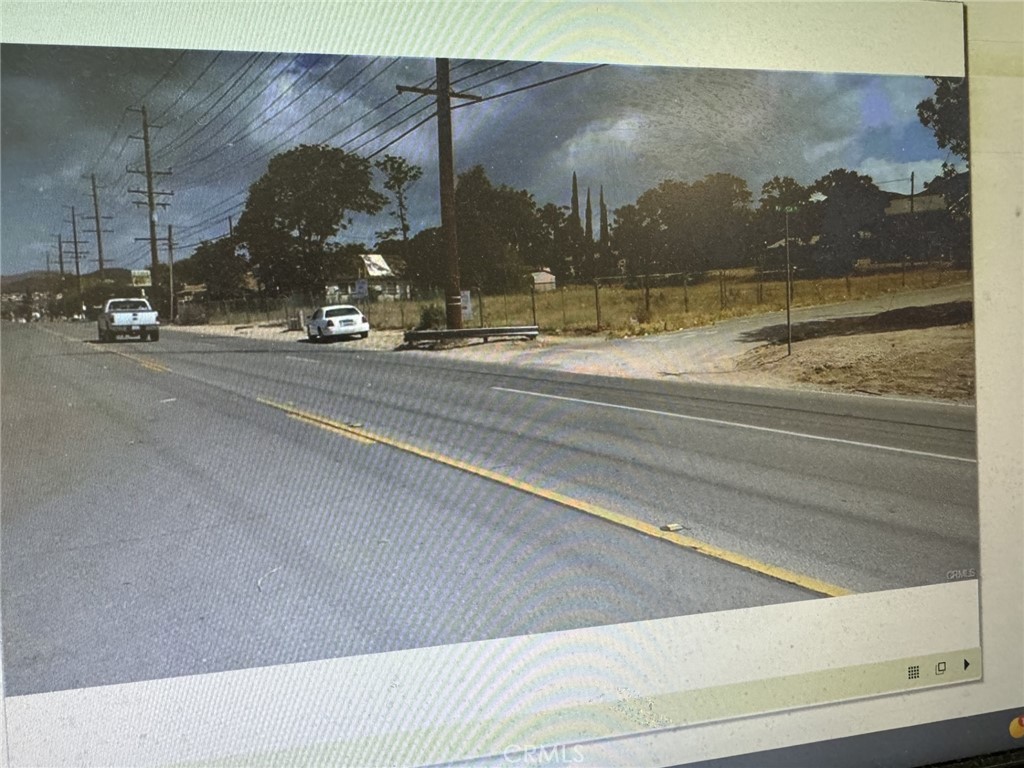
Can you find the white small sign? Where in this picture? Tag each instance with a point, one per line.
(141, 278)
(467, 305)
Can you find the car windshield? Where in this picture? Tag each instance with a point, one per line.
(338, 312)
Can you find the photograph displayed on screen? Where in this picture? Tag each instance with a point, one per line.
(309, 357)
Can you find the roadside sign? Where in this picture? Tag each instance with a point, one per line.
(141, 278)
(362, 289)
(467, 305)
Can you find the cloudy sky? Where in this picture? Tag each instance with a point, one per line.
(65, 115)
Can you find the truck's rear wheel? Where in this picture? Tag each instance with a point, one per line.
(154, 335)
(143, 336)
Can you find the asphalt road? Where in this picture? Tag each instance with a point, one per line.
(164, 512)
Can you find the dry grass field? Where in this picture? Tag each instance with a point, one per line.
(617, 310)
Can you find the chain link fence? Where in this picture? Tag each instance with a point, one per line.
(617, 305)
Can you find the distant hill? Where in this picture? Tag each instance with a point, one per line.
(25, 281)
(39, 280)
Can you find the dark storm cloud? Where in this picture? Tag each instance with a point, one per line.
(218, 118)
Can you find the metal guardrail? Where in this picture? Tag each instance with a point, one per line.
(515, 331)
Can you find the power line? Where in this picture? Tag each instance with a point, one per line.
(244, 106)
(178, 141)
(499, 77)
(233, 77)
(257, 152)
(533, 85)
(298, 120)
(421, 123)
(110, 143)
(406, 119)
(163, 77)
(485, 98)
(188, 88)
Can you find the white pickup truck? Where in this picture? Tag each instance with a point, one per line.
(128, 317)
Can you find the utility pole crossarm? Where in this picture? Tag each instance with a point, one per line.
(434, 92)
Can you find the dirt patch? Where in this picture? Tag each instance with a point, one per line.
(926, 362)
(903, 319)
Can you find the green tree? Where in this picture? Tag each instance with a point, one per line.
(723, 228)
(851, 211)
(216, 264)
(575, 233)
(554, 247)
(500, 233)
(633, 239)
(399, 175)
(296, 206)
(946, 114)
(694, 227)
(780, 195)
(425, 265)
(604, 241)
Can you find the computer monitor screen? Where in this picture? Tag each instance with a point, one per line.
(445, 400)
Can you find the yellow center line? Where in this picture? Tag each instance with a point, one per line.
(147, 363)
(333, 429)
(687, 542)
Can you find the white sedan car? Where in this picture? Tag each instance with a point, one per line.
(337, 320)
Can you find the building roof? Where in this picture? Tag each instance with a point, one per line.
(375, 265)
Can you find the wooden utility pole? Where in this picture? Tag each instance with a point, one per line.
(789, 292)
(150, 193)
(78, 253)
(170, 272)
(60, 257)
(99, 227)
(446, 177)
(446, 180)
(74, 234)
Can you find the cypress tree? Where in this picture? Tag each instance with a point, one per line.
(589, 232)
(574, 213)
(604, 223)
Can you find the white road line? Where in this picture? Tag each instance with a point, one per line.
(301, 359)
(740, 425)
